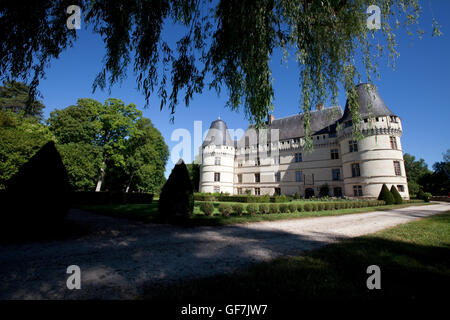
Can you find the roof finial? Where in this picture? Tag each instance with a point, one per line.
(218, 118)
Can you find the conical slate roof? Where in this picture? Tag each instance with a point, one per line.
(218, 134)
(370, 103)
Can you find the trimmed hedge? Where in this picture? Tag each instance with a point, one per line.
(225, 209)
(263, 208)
(284, 208)
(386, 195)
(240, 198)
(292, 207)
(207, 208)
(252, 208)
(238, 209)
(274, 208)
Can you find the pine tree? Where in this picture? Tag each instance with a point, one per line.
(386, 195)
(176, 201)
(397, 197)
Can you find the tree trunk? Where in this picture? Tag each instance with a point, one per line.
(129, 183)
(100, 176)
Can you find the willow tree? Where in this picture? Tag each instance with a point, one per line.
(227, 44)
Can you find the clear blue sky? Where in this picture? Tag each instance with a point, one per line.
(418, 90)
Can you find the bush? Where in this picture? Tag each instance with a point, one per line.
(425, 196)
(397, 197)
(321, 206)
(292, 207)
(284, 208)
(252, 208)
(308, 207)
(386, 195)
(224, 209)
(204, 197)
(296, 196)
(278, 199)
(238, 209)
(300, 207)
(263, 208)
(207, 208)
(176, 201)
(274, 208)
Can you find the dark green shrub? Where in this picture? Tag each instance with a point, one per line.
(321, 206)
(225, 209)
(337, 205)
(329, 206)
(176, 201)
(278, 199)
(315, 206)
(284, 208)
(274, 208)
(252, 208)
(308, 207)
(207, 208)
(263, 208)
(300, 207)
(386, 195)
(397, 197)
(292, 207)
(238, 209)
(296, 196)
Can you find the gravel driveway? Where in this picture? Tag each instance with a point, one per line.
(120, 257)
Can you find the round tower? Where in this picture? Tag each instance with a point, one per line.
(378, 157)
(217, 168)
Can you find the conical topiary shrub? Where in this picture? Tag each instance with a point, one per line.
(37, 197)
(176, 201)
(397, 197)
(386, 195)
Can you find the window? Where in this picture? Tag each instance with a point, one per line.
(348, 124)
(217, 161)
(355, 170)
(336, 173)
(258, 162)
(216, 176)
(257, 177)
(257, 191)
(278, 191)
(393, 143)
(240, 164)
(398, 171)
(276, 160)
(239, 190)
(239, 178)
(298, 157)
(353, 146)
(277, 176)
(216, 189)
(400, 188)
(334, 154)
(357, 191)
(337, 191)
(298, 176)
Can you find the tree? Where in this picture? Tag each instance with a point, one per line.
(229, 42)
(438, 182)
(14, 96)
(386, 195)
(415, 171)
(397, 197)
(176, 201)
(194, 175)
(21, 138)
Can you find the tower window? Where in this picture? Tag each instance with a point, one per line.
(277, 176)
(216, 176)
(401, 188)
(336, 173)
(334, 154)
(353, 146)
(393, 142)
(355, 170)
(298, 157)
(357, 191)
(257, 191)
(217, 161)
(258, 162)
(398, 171)
(298, 176)
(257, 177)
(239, 178)
(239, 190)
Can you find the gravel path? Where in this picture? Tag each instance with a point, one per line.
(120, 257)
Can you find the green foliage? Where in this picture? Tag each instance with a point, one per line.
(300, 207)
(324, 191)
(292, 207)
(252, 208)
(15, 97)
(415, 171)
(296, 196)
(207, 208)
(386, 195)
(238, 209)
(284, 208)
(321, 206)
(282, 198)
(274, 208)
(397, 197)
(425, 196)
(225, 209)
(315, 206)
(263, 208)
(194, 174)
(329, 206)
(308, 207)
(176, 201)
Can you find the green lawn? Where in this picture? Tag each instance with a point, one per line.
(147, 213)
(414, 259)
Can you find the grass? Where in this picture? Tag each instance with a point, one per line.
(414, 259)
(147, 213)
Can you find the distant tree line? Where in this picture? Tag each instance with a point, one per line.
(106, 146)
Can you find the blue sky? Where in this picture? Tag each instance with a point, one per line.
(418, 90)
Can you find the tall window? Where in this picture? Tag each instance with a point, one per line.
(298, 176)
(257, 191)
(355, 170)
(277, 191)
(334, 154)
(400, 188)
(216, 189)
(258, 162)
(353, 146)
(216, 176)
(239, 178)
(277, 176)
(398, 171)
(336, 173)
(357, 191)
(393, 142)
(239, 190)
(276, 160)
(298, 157)
(217, 161)
(257, 177)
(240, 164)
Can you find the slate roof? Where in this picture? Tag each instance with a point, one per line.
(218, 134)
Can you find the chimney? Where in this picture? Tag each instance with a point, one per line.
(271, 118)
(319, 106)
